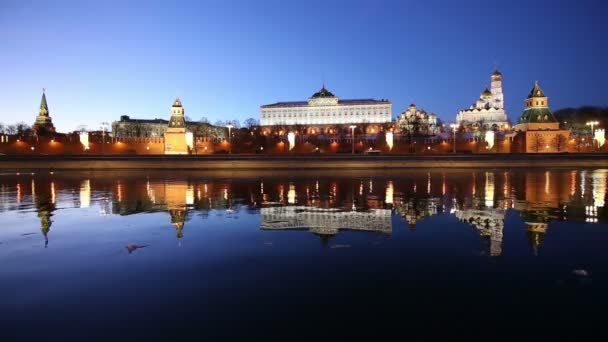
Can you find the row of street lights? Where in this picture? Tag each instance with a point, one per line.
(454, 127)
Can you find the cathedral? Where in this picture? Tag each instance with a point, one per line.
(488, 112)
(416, 122)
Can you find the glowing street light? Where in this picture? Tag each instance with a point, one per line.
(592, 124)
(104, 125)
(352, 127)
(229, 139)
(454, 126)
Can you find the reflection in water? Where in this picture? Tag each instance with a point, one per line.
(325, 205)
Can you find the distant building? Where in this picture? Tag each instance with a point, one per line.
(487, 113)
(417, 122)
(127, 127)
(538, 130)
(43, 123)
(324, 108)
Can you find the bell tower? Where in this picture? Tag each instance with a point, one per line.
(497, 94)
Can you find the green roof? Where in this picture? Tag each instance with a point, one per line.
(323, 93)
(537, 115)
(44, 108)
(536, 91)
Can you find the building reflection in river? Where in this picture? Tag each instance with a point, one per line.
(326, 205)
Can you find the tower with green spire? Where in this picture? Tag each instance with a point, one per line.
(537, 129)
(43, 123)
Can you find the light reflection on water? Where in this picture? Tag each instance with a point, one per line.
(488, 223)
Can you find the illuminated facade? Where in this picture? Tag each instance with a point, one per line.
(415, 121)
(325, 221)
(324, 108)
(489, 110)
(175, 135)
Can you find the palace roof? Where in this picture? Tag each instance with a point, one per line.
(348, 102)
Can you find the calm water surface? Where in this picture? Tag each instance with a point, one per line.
(331, 254)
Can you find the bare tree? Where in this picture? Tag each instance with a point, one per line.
(559, 142)
(537, 142)
(251, 122)
(22, 127)
(220, 123)
(235, 123)
(11, 129)
(203, 120)
(81, 128)
(2, 128)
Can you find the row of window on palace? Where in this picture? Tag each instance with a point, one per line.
(289, 115)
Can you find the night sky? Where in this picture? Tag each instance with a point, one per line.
(102, 59)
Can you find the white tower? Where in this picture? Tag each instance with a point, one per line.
(497, 96)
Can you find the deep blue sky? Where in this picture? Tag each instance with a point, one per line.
(101, 59)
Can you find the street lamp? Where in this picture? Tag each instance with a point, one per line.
(454, 126)
(104, 125)
(592, 124)
(352, 127)
(229, 139)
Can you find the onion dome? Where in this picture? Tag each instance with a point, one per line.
(497, 73)
(486, 93)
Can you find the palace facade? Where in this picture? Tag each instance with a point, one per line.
(488, 112)
(325, 108)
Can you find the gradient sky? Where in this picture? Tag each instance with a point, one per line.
(102, 59)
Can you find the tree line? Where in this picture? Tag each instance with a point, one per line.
(17, 128)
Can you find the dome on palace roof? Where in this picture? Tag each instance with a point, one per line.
(486, 92)
(323, 93)
(497, 73)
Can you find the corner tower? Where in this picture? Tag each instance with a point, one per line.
(43, 123)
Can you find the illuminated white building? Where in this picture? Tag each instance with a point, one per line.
(489, 109)
(324, 108)
(325, 221)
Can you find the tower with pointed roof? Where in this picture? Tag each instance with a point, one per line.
(537, 129)
(43, 123)
(175, 135)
